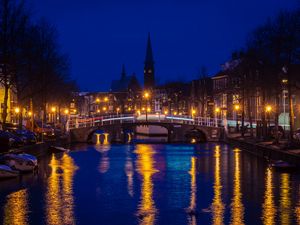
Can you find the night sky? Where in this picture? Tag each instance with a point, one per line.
(100, 36)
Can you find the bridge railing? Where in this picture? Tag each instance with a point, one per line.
(208, 122)
(82, 122)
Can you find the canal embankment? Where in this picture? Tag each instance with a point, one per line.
(266, 150)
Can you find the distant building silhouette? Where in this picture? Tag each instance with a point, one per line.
(149, 78)
(125, 83)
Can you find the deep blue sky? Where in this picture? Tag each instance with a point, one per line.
(100, 36)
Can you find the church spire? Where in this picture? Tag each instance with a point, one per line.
(149, 54)
(149, 80)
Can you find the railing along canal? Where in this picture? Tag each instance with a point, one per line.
(82, 122)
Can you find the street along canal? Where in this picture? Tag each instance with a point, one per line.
(151, 184)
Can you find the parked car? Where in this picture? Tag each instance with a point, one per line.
(297, 135)
(44, 129)
(27, 136)
(272, 130)
(8, 139)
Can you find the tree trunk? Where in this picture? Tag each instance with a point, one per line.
(291, 111)
(276, 119)
(5, 102)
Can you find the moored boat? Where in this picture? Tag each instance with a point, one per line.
(21, 162)
(7, 172)
(282, 165)
(56, 149)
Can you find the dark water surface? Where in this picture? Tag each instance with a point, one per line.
(151, 184)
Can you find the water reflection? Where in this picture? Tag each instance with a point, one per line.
(129, 173)
(193, 204)
(103, 149)
(237, 207)
(16, 208)
(59, 196)
(297, 209)
(218, 206)
(146, 168)
(269, 210)
(285, 199)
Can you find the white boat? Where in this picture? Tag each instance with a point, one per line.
(21, 162)
(7, 172)
(56, 149)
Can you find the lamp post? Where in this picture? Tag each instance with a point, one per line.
(17, 111)
(67, 114)
(268, 110)
(146, 96)
(236, 109)
(53, 110)
(217, 111)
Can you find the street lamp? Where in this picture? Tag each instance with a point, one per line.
(17, 111)
(118, 109)
(237, 109)
(268, 110)
(146, 96)
(217, 111)
(53, 110)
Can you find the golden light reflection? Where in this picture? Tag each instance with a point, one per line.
(129, 173)
(269, 210)
(297, 209)
(218, 206)
(59, 196)
(103, 149)
(285, 199)
(98, 139)
(193, 203)
(106, 142)
(16, 208)
(237, 207)
(146, 168)
(129, 138)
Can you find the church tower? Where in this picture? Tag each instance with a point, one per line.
(149, 80)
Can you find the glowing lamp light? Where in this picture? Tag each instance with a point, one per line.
(17, 110)
(106, 99)
(175, 113)
(148, 109)
(146, 95)
(29, 113)
(268, 108)
(166, 112)
(66, 111)
(53, 109)
(104, 108)
(98, 100)
(237, 107)
(217, 110)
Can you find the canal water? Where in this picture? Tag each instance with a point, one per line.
(151, 184)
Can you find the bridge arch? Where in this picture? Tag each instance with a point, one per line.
(196, 135)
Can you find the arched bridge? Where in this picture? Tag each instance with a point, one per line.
(123, 127)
